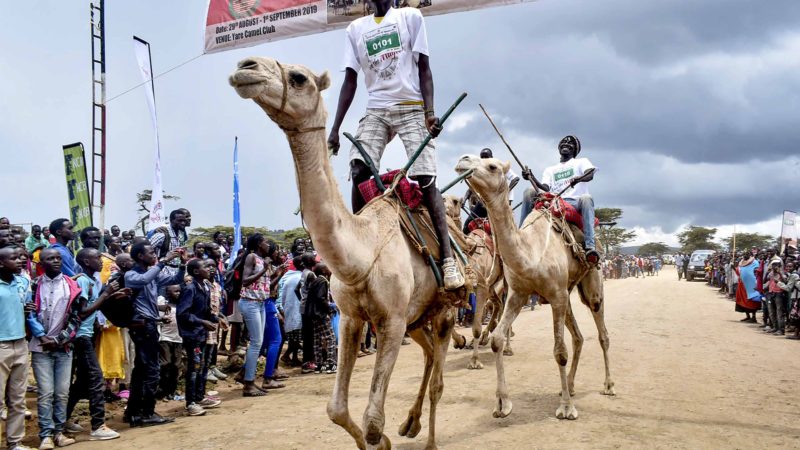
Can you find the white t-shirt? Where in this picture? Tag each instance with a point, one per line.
(169, 331)
(388, 52)
(559, 176)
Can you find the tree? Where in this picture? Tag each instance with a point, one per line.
(143, 199)
(284, 238)
(697, 238)
(749, 240)
(612, 236)
(653, 249)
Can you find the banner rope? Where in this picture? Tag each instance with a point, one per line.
(154, 77)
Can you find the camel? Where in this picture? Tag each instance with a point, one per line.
(378, 276)
(536, 260)
(488, 290)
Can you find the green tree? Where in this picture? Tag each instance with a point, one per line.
(612, 236)
(697, 238)
(749, 240)
(653, 249)
(143, 199)
(284, 238)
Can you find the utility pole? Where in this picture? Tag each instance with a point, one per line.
(97, 25)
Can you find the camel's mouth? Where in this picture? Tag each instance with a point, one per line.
(248, 83)
(466, 163)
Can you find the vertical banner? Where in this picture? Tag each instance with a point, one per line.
(237, 220)
(241, 23)
(80, 210)
(142, 50)
(789, 230)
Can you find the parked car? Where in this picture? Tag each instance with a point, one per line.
(697, 264)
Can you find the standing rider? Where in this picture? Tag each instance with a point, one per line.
(391, 47)
(570, 171)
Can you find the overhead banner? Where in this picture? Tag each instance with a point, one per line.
(80, 209)
(789, 230)
(234, 24)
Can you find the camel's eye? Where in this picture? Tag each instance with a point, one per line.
(492, 167)
(297, 78)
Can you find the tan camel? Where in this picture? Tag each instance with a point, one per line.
(536, 260)
(378, 276)
(488, 290)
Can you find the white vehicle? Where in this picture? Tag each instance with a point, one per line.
(697, 264)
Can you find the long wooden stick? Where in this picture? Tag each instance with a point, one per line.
(502, 138)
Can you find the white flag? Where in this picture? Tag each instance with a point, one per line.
(142, 49)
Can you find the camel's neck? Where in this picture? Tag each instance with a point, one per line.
(506, 235)
(329, 222)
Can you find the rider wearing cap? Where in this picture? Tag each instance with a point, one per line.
(570, 173)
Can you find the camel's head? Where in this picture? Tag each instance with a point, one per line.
(489, 175)
(289, 94)
(453, 206)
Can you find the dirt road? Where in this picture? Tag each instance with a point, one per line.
(688, 375)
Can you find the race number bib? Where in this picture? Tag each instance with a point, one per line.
(383, 50)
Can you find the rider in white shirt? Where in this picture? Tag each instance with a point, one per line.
(572, 174)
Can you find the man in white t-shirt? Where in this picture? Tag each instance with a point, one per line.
(571, 173)
(391, 48)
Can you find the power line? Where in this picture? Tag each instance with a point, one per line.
(157, 76)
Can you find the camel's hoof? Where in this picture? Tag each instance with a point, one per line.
(609, 390)
(567, 412)
(410, 428)
(431, 447)
(484, 340)
(508, 352)
(503, 408)
(471, 345)
(475, 365)
(384, 444)
(459, 342)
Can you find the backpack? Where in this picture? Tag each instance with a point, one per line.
(233, 281)
(120, 311)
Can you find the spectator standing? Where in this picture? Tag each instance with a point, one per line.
(166, 239)
(14, 293)
(53, 325)
(147, 276)
(289, 305)
(89, 382)
(35, 239)
(320, 312)
(170, 343)
(62, 230)
(309, 261)
(195, 321)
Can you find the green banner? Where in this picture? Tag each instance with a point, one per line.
(80, 207)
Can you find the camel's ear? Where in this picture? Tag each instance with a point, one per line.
(506, 166)
(323, 81)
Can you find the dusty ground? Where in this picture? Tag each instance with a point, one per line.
(687, 373)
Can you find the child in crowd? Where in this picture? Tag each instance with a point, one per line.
(89, 382)
(171, 353)
(195, 321)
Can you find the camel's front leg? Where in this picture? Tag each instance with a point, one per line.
(566, 409)
(441, 325)
(577, 346)
(514, 303)
(390, 335)
(591, 292)
(349, 337)
(410, 428)
(482, 294)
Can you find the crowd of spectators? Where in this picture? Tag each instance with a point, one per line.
(133, 319)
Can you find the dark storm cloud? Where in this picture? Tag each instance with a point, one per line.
(700, 81)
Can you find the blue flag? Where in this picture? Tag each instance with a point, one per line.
(237, 222)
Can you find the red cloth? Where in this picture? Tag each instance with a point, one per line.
(408, 192)
(741, 297)
(571, 214)
(480, 224)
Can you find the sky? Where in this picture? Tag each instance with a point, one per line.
(688, 108)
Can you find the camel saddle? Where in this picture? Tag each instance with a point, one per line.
(561, 208)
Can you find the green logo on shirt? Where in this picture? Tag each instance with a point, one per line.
(564, 174)
(382, 43)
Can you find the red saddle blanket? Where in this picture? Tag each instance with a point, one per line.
(560, 208)
(480, 224)
(407, 191)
